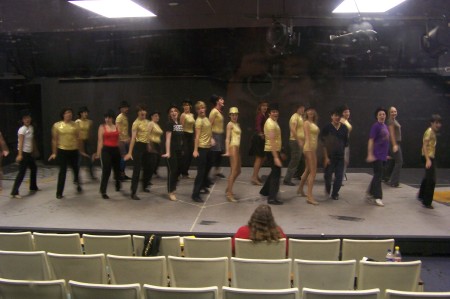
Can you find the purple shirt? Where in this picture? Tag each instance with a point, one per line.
(379, 132)
(260, 121)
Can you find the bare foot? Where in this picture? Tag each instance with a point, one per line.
(312, 201)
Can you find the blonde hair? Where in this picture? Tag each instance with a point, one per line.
(200, 104)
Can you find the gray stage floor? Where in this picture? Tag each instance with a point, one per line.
(351, 215)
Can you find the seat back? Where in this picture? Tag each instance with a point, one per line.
(138, 245)
(207, 247)
(142, 270)
(198, 272)
(90, 268)
(248, 249)
(394, 294)
(117, 245)
(32, 289)
(325, 275)
(308, 293)
(260, 274)
(170, 245)
(58, 243)
(24, 265)
(402, 276)
(237, 293)
(22, 241)
(317, 250)
(81, 290)
(155, 292)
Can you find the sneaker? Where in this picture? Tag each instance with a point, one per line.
(428, 207)
(335, 197)
(379, 202)
(17, 196)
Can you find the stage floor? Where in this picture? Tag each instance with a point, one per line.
(351, 215)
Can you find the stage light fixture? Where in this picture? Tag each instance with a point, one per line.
(114, 8)
(366, 6)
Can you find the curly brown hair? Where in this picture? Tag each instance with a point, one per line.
(262, 225)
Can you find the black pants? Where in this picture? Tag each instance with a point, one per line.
(272, 183)
(66, 158)
(110, 159)
(336, 166)
(375, 185)
(89, 162)
(188, 148)
(426, 191)
(204, 165)
(141, 158)
(173, 170)
(27, 162)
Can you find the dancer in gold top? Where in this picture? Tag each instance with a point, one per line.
(257, 143)
(124, 136)
(345, 111)
(154, 147)
(187, 120)
(232, 144)
(85, 125)
(310, 152)
(216, 120)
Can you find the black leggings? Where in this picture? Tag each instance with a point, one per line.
(188, 149)
(110, 159)
(140, 159)
(65, 158)
(203, 167)
(173, 170)
(27, 162)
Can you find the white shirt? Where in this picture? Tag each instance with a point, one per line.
(28, 133)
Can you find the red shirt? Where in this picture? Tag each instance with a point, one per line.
(110, 138)
(244, 233)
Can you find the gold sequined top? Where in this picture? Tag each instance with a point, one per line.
(217, 126)
(84, 125)
(155, 134)
(122, 125)
(269, 126)
(430, 136)
(142, 130)
(189, 123)
(300, 133)
(313, 136)
(67, 135)
(235, 134)
(204, 125)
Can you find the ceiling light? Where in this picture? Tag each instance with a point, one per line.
(114, 8)
(366, 6)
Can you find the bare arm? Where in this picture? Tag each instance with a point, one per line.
(20, 148)
(392, 137)
(228, 139)
(196, 142)
(370, 156)
(182, 118)
(132, 143)
(276, 157)
(54, 144)
(99, 142)
(168, 137)
(426, 142)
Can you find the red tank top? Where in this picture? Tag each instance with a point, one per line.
(110, 138)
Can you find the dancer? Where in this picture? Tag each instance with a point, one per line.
(4, 152)
(258, 142)
(232, 144)
(428, 184)
(124, 136)
(108, 152)
(66, 146)
(296, 142)
(272, 149)
(260, 227)
(140, 139)
(216, 120)
(377, 151)
(393, 168)
(187, 121)
(26, 145)
(345, 112)
(309, 150)
(174, 148)
(84, 124)
(154, 147)
(202, 146)
(334, 137)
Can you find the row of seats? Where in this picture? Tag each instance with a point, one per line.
(198, 247)
(13, 289)
(204, 272)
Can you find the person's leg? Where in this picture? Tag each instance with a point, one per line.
(312, 165)
(274, 183)
(115, 161)
(138, 155)
(339, 165)
(172, 173)
(304, 176)
(149, 163)
(256, 168)
(62, 157)
(73, 161)
(20, 175)
(398, 162)
(201, 169)
(346, 160)
(265, 190)
(188, 148)
(105, 161)
(429, 185)
(376, 190)
(33, 173)
(293, 163)
(235, 165)
(327, 176)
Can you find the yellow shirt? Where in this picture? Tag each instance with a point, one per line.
(67, 135)
(84, 125)
(347, 124)
(298, 120)
(313, 135)
(122, 126)
(189, 123)
(204, 125)
(141, 128)
(218, 121)
(235, 135)
(155, 134)
(430, 136)
(273, 126)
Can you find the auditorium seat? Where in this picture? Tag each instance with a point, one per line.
(24, 265)
(318, 250)
(22, 241)
(248, 249)
(157, 292)
(117, 245)
(207, 247)
(236, 293)
(170, 245)
(308, 293)
(58, 243)
(81, 290)
(260, 274)
(394, 294)
(32, 289)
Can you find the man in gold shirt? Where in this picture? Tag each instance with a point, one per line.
(272, 148)
(296, 141)
(426, 191)
(84, 125)
(218, 132)
(124, 136)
